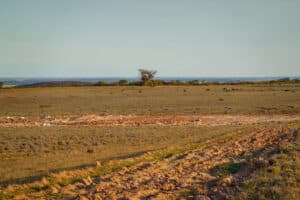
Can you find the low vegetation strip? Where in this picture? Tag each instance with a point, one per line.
(211, 169)
(139, 120)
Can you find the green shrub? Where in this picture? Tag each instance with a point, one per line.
(101, 83)
(194, 82)
(176, 82)
(113, 84)
(123, 82)
(227, 168)
(154, 83)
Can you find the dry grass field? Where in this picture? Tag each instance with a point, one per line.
(36, 151)
(166, 142)
(222, 99)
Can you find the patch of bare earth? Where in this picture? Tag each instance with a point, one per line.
(140, 120)
(213, 171)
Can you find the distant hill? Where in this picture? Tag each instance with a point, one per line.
(113, 81)
(58, 84)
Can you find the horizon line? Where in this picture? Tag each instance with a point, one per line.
(92, 77)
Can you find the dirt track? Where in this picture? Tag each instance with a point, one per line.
(193, 170)
(141, 120)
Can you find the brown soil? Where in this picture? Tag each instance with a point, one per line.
(190, 175)
(141, 120)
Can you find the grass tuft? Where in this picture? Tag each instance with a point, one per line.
(227, 169)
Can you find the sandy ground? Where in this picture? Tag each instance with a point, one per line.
(142, 120)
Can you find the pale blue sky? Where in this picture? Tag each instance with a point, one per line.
(94, 38)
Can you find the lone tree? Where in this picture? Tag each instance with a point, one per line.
(1, 84)
(146, 75)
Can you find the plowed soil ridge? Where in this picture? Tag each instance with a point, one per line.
(189, 171)
(140, 120)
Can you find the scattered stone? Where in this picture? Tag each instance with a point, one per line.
(168, 186)
(227, 181)
(10, 188)
(98, 164)
(54, 190)
(21, 197)
(83, 198)
(45, 181)
(87, 181)
(70, 187)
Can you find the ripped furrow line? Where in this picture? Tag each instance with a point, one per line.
(212, 170)
(142, 120)
(167, 178)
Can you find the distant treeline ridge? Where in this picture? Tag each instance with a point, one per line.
(151, 82)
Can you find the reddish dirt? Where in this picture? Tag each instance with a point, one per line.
(190, 171)
(142, 120)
